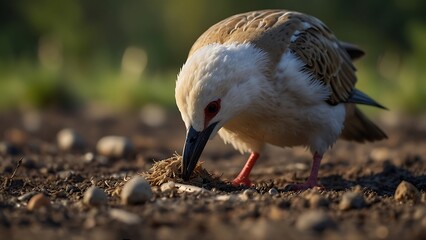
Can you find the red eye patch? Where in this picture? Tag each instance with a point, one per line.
(210, 111)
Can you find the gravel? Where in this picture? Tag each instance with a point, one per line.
(217, 211)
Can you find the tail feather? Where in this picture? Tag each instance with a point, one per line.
(354, 51)
(359, 128)
(361, 98)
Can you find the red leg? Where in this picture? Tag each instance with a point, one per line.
(243, 177)
(312, 180)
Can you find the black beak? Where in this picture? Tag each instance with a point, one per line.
(194, 146)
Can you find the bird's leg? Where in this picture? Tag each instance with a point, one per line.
(243, 177)
(312, 180)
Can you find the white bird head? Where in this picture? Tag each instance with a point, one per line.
(217, 83)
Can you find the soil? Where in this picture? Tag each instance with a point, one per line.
(31, 163)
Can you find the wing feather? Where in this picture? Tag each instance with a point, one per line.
(276, 31)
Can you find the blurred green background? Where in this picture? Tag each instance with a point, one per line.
(122, 54)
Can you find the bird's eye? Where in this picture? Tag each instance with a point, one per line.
(212, 109)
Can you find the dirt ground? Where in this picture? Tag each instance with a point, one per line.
(370, 173)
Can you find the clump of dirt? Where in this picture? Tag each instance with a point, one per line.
(170, 170)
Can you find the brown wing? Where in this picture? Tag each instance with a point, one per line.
(326, 59)
(275, 31)
(269, 30)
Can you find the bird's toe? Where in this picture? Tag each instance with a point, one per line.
(241, 181)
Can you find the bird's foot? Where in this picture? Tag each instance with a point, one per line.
(304, 186)
(241, 181)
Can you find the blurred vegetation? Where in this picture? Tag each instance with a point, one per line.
(126, 53)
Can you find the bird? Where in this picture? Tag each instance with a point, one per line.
(273, 77)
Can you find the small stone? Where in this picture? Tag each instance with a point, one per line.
(168, 186)
(27, 196)
(249, 192)
(380, 154)
(89, 157)
(16, 136)
(114, 146)
(419, 213)
(136, 190)
(273, 192)
(153, 115)
(226, 198)
(351, 200)
(69, 139)
(318, 201)
(246, 195)
(407, 192)
(37, 201)
(95, 196)
(314, 220)
(382, 232)
(276, 213)
(124, 216)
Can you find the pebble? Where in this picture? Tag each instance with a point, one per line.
(168, 186)
(276, 213)
(114, 146)
(407, 192)
(317, 201)
(16, 136)
(124, 216)
(314, 220)
(136, 190)
(273, 192)
(27, 196)
(95, 196)
(68, 139)
(246, 194)
(89, 157)
(380, 154)
(226, 198)
(351, 200)
(382, 232)
(65, 174)
(249, 193)
(37, 201)
(420, 213)
(153, 115)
